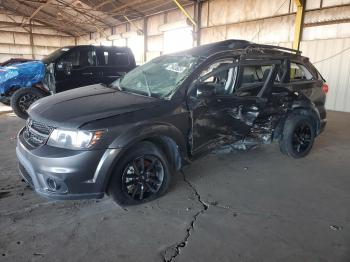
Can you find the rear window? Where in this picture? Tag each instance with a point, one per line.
(114, 58)
(299, 72)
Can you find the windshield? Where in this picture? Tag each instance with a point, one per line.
(158, 78)
(53, 56)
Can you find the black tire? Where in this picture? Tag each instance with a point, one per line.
(23, 98)
(298, 136)
(125, 181)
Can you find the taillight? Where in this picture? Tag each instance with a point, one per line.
(325, 88)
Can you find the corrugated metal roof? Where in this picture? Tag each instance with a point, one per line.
(78, 17)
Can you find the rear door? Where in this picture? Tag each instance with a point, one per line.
(113, 63)
(76, 68)
(229, 115)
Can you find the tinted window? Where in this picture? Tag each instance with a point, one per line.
(80, 58)
(299, 72)
(55, 55)
(115, 58)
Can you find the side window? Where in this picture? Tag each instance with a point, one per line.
(80, 59)
(299, 72)
(254, 75)
(72, 58)
(252, 79)
(224, 79)
(114, 58)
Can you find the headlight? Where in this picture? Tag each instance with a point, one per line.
(74, 139)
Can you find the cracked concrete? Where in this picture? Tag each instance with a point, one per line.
(254, 205)
(172, 252)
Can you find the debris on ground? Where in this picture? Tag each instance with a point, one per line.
(335, 227)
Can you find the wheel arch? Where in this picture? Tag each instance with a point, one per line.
(300, 108)
(165, 136)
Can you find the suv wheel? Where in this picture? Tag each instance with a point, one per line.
(23, 98)
(142, 175)
(298, 136)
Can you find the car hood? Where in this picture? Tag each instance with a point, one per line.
(73, 108)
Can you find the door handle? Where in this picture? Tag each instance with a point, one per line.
(87, 74)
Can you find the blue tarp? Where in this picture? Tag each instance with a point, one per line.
(21, 75)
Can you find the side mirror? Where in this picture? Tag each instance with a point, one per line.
(205, 90)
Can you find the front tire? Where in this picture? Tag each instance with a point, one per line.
(142, 175)
(298, 136)
(23, 98)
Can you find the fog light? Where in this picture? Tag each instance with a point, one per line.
(51, 183)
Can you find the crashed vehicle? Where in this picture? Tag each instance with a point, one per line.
(31, 73)
(66, 68)
(127, 139)
(13, 61)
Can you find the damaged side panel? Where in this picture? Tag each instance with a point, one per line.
(254, 111)
(226, 115)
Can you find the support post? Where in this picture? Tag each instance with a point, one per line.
(299, 19)
(197, 18)
(145, 39)
(31, 38)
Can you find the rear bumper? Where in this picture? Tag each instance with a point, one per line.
(323, 124)
(65, 174)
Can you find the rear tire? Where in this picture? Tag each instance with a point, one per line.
(23, 98)
(142, 175)
(298, 136)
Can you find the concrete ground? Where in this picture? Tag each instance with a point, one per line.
(255, 205)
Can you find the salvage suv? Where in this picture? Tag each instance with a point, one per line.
(128, 138)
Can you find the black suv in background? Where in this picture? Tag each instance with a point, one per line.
(128, 138)
(75, 66)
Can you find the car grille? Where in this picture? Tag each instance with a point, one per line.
(36, 133)
(26, 175)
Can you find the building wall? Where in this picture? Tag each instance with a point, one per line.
(144, 48)
(325, 38)
(15, 41)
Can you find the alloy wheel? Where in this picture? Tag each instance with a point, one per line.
(143, 177)
(26, 100)
(302, 138)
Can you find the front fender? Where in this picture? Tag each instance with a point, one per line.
(144, 131)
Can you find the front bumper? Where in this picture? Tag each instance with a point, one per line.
(65, 174)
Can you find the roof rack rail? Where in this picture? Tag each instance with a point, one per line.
(274, 47)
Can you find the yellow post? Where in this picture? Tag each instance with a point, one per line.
(298, 23)
(183, 10)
